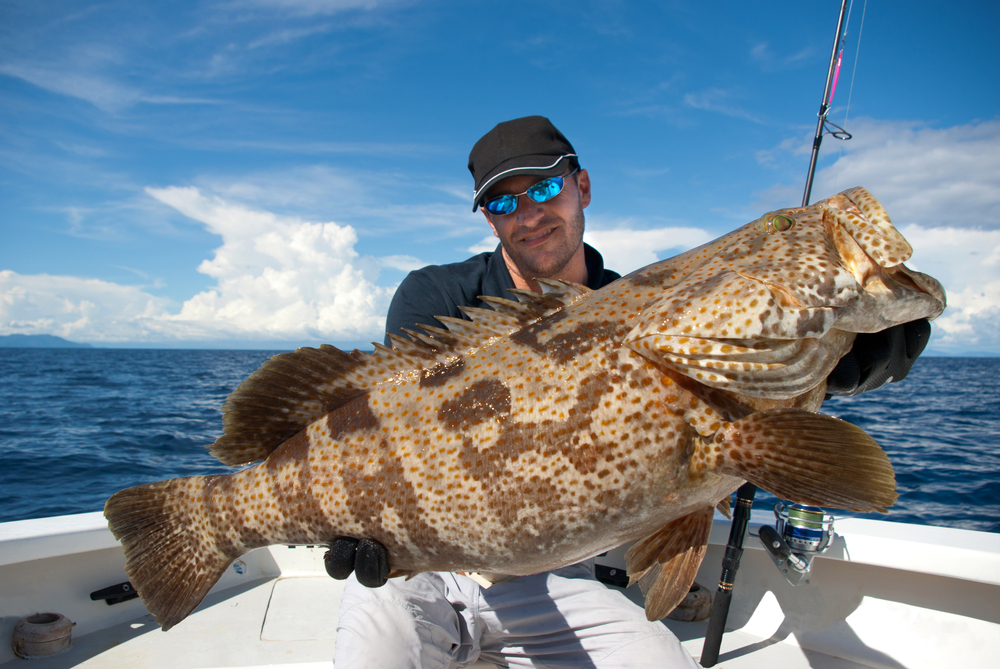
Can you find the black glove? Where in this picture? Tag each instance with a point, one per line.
(878, 358)
(365, 556)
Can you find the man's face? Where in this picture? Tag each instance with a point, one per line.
(541, 238)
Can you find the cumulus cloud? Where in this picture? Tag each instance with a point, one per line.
(276, 278)
(279, 277)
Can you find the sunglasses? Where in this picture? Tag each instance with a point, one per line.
(543, 191)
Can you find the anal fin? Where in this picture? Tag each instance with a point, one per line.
(666, 562)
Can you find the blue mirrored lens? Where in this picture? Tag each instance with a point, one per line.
(544, 191)
(504, 204)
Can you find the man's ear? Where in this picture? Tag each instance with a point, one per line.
(583, 184)
(490, 221)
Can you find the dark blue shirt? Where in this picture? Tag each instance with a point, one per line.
(439, 290)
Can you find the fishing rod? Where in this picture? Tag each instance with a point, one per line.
(833, 72)
(745, 495)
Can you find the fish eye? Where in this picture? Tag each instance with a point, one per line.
(772, 222)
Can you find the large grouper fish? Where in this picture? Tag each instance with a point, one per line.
(549, 429)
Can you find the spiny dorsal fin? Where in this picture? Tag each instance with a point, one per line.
(291, 390)
(498, 322)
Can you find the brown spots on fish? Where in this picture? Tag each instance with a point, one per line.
(574, 343)
(383, 491)
(224, 509)
(484, 400)
(355, 416)
(438, 376)
(812, 322)
(289, 483)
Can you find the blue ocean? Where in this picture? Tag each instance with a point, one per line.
(77, 425)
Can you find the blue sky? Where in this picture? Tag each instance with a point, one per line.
(262, 173)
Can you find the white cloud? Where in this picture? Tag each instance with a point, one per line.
(80, 309)
(718, 100)
(403, 263)
(277, 278)
(318, 7)
(763, 54)
(487, 243)
(99, 91)
(967, 262)
(287, 35)
(923, 175)
(625, 249)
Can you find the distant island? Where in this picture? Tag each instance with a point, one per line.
(38, 341)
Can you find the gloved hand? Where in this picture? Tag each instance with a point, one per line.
(367, 557)
(878, 358)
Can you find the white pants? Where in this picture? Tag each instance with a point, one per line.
(439, 620)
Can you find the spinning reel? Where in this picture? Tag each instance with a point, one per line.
(800, 534)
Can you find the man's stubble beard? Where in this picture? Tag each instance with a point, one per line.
(550, 265)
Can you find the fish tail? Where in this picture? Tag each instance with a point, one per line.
(808, 458)
(171, 558)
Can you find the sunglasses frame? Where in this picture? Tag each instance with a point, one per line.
(562, 178)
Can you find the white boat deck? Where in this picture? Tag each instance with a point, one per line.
(886, 595)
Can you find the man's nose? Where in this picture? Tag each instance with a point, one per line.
(528, 211)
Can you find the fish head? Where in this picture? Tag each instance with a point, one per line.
(770, 308)
(841, 255)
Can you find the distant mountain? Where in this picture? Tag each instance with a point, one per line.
(38, 341)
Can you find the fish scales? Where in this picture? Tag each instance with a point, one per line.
(556, 427)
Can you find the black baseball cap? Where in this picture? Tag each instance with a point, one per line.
(525, 146)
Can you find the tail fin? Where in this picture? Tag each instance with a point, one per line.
(170, 558)
(809, 458)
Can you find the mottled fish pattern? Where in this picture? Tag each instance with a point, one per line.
(558, 425)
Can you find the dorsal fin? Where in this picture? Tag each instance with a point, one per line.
(291, 390)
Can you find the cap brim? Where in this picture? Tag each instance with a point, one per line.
(537, 166)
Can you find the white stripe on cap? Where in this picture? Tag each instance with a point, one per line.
(477, 193)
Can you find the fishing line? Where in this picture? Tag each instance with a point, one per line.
(850, 91)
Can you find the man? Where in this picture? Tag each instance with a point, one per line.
(533, 192)
(564, 618)
(537, 239)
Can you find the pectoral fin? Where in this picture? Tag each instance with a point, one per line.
(666, 562)
(808, 458)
